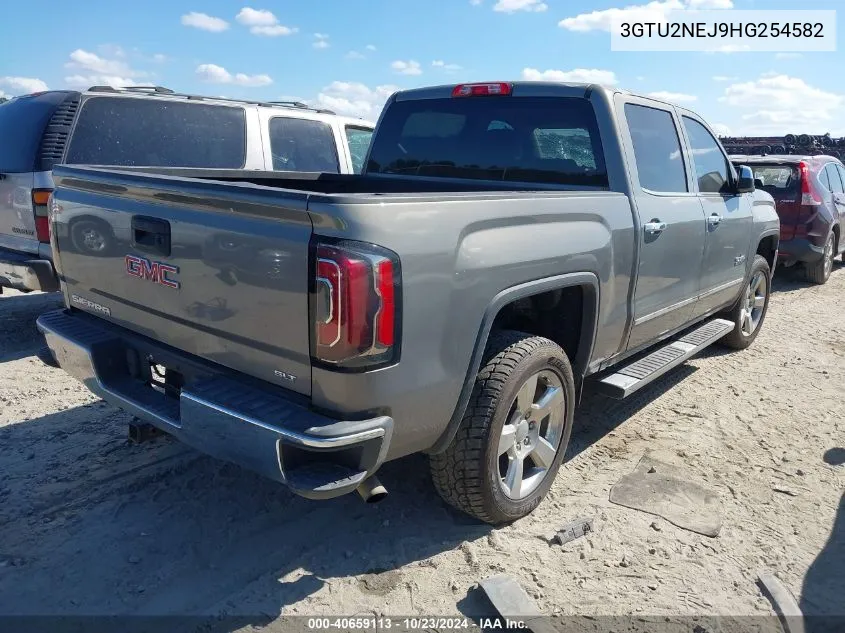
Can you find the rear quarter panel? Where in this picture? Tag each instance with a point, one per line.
(457, 254)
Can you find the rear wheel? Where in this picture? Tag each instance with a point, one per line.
(515, 431)
(819, 272)
(750, 310)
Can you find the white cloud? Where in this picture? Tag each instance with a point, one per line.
(354, 99)
(355, 55)
(321, 41)
(273, 31)
(23, 85)
(370, 47)
(774, 102)
(86, 81)
(263, 22)
(256, 17)
(204, 22)
(512, 6)
(84, 60)
(724, 78)
(406, 68)
(159, 58)
(578, 75)
(674, 97)
(94, 70)
(651, 12)
(475, 3)
(439, 63)
(710, 4)
(720, 129)
(215, 74)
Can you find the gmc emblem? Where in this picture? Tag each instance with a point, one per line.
(151, 271)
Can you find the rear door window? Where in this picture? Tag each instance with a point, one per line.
(158, 132)
(836, 185)
(824, 178)
(358, 139)
(303, 145)
(513, 139)
(657, 149)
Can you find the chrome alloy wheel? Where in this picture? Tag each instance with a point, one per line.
(755, 302)
(828, 257)
(530, 439)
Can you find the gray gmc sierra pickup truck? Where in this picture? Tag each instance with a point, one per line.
(507, 245)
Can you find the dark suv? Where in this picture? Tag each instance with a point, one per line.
(144, 127)
(810, 195)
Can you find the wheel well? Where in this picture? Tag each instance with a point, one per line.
(767, 247)
(558, 315)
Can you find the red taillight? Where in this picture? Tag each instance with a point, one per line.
(479, 90)
(40, 209)
(385, 323)
(354, 308)
(809, 195)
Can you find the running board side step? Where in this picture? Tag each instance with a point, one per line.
(638, 374)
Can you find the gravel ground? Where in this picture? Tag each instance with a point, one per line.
(91, 524)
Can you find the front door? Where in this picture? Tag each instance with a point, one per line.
(671, 223)
(728, 218)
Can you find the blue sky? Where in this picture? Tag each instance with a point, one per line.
(349, 55)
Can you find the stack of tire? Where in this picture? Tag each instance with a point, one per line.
(790, 144)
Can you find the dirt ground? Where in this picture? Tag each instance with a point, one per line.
(91, 525)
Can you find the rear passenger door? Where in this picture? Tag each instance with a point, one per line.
(728, 217)
(671, 227)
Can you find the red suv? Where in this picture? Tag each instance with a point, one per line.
(810, 195)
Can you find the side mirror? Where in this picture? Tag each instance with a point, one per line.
(745, 179)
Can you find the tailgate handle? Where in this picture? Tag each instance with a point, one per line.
(151, 235)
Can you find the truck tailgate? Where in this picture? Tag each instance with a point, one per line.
(219, 270)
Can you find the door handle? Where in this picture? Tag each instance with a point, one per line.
(654, 227)
(151, 235)
(714, 219)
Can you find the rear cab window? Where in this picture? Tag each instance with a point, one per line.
(303, 145)
(157, 132)
(548, 140)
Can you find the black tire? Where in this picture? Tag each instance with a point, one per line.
(467, 473)
(739, 339)
(819, 272)
(101, 245)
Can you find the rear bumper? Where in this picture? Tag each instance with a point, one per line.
(799, 250)
(217, 413)
(25, 272)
